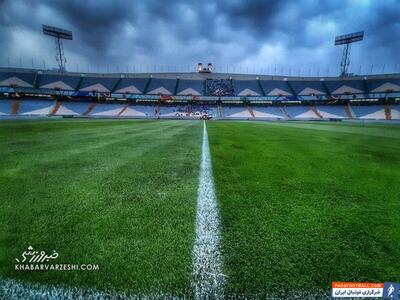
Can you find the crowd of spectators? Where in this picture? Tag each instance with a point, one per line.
(220, 87)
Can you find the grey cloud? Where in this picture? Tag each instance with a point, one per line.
(182, 32)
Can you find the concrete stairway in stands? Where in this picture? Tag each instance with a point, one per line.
(284, 112)
(388, 112)
(15, 107)
(55, 108)
(90, 108)
(250, 109)
(123, 109)
(314, 109)
(348, 112)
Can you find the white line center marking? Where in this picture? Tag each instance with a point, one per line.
(208, 279)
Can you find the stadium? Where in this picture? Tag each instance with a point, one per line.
(198, 184)
(199, 95)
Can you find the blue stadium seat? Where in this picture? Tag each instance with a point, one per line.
(5, 107)
(191, 87)
(276, 88)
(161, 86)
(35, 107)
(131, 85)
(247, 88)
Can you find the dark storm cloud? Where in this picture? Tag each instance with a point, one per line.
(258, 33)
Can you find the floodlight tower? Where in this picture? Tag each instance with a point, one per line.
(347, 40)
(60, 35)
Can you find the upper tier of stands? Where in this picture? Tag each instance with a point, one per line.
(196, 84)
(45, 107)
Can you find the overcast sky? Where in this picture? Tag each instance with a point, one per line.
(289, 36)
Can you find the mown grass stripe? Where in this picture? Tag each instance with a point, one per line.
(208, 279)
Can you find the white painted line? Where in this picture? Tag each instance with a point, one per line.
(208, 279)
(11, 289)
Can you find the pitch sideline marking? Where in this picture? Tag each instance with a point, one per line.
(208, 279)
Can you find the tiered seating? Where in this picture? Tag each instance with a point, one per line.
(198, 111)
(276, 88)
(220, 87)
(300, 112)
(5, 107)
(268, 112)
(308, 88)
(139, 111)
(35, 107)
(345, 87)
(395, 109)
(103, 109)
(384, 85)
(332, 111)
(236, 112)
(191, 87)
(98, 84)
(56, 81)
(212, 111)
(161, 86)
(173, 111)
(73, 108)
(131, 85)
(17, 79)
(247, 88)
(376, 112)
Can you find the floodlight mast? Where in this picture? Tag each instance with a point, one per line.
(59, 35)
(347, 40)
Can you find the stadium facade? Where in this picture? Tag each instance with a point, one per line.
(29, 92)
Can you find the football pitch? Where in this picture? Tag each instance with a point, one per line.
(300, 204)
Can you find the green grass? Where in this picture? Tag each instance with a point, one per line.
(304, 204)
(120, 194)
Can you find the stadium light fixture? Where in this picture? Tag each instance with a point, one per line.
(59, 35)
(347, 40)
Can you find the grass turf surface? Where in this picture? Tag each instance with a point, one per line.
(305, 204)
(120, 194)
(302, 204)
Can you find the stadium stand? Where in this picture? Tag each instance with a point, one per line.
(173, 111)
(308, 88)
(236, 112)
(35, 107)
(268, 112)
(220, 87)
(131, 85)
(161, 86)
(56, 81)
(139, 111)
(332, 111)
(72, 108)
(375, 112)
(198, 95)
(276, 88)
(17, 79)
(103, 109)
(191, 87)
(5, 107)
(300, 112)
(198, 111)
(97, 84)
(395, 112)
(345, 86)
(247, 88)
(389, 85)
